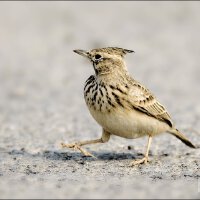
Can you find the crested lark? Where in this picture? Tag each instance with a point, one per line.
(120, 104)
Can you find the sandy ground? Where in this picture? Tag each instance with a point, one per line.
(41, 102)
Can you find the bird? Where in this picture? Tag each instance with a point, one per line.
(121, 105)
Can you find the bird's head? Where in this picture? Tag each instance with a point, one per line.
(106, 60)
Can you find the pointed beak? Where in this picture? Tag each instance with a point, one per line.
(82, 52)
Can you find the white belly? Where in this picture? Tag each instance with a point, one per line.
(132, 124)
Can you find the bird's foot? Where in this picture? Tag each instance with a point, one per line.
(77, 146)
(140, 161)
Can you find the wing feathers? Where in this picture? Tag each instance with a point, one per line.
(142, 99)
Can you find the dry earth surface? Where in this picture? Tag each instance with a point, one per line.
(42, 104)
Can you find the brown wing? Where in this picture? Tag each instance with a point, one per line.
(143, 100)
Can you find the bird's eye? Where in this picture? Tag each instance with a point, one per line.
(97, 56)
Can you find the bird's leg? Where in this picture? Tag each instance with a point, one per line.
(146, 157)
(77, 145)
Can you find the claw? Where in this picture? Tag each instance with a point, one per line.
(68, 145)
(76, 146)
(138, 162)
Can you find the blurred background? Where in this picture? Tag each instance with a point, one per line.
(42, 80)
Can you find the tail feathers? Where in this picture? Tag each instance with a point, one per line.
(181, 137)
